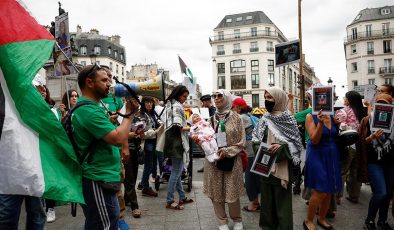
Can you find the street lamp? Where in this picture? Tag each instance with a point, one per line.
(93, 57)
(329, 81)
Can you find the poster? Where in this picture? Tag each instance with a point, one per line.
(382, 117)
(62, 36)
(323, 99)
(263, 161)
(287, 53)
(370, 92)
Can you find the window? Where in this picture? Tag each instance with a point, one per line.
(221, 82)
(83, 63)
(271, 78)
(237, 33)
(110, 66)
(271, 65)
(388, 80)
(387, 66)
(237, 66)
(249, 17)
(255, 101)
(254, 65)
(221, 35)
(386, 46)
(229, 20)
(385, 11)
(239, 19)
(267, 31)
(353, 48)
(253, 31)
(116, 54)
(83, 50)
(371, 81)
(117, 68)
(238, 82)
(220, 50)
(370, 49)
(122, 70)
(354, 33)
(109, 50)
(236, 48)
(354, 67)
(270, 46)
(357, 17)
(385, 28)
(368, 30)
(221, 68)
(254, 47)
(371, 66)
(354, 83)
(97, 50)
(121, 56)
(255, 81)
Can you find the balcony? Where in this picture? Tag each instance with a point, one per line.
(246, 35)
(256, 49)
(221, 52)
(370, 35)
(371, 70)
(386, 70)
(387, 51)
(237, 51)
(370, 51)
(271, 49)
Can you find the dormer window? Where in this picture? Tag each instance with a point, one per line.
(239, 19)
(357, 17)
(97, 50)
(229, 20)
(385, 11)
(249, 17)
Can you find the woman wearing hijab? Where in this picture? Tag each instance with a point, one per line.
(278, 128)
(226, 186)
(376, 165)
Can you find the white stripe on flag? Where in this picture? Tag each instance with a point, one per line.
(20, 162)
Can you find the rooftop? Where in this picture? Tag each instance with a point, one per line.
(371, 14)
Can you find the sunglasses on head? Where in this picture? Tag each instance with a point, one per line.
(218, 95)
(96, 66)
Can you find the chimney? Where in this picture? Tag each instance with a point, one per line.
(79, 29)
(94, 31)
(116, 39)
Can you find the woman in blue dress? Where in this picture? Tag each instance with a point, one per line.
(322, 167)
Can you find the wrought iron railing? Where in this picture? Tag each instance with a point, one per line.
(369, 34)
(386, 70)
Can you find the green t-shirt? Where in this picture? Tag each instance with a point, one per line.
(91, 123)
(301, 118)
(109, 103)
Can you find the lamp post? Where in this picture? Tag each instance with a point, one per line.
(93, 57)
(329, 81)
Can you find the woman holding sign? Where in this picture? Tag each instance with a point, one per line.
(376, 160)
(279, 130)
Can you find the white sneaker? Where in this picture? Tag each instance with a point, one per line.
(223, 227)
(238, 226)
(51, 217)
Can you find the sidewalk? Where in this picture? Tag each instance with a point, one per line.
(200, 214)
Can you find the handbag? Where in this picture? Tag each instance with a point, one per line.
(112, 187)
(226, 164)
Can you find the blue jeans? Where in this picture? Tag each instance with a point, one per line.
(157, 158)
(252, 181)
(175, 181)
(102, 207)
(148, 166)
(10, 209)
(382, 180)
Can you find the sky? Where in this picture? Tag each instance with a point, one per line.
(157, 31)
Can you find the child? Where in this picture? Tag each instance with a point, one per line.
(205, 135)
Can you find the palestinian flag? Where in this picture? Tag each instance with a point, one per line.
(36, 156)
(186, 70)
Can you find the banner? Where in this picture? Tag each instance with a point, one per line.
(287, 53)
(62, 35)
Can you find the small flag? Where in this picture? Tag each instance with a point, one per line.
(36, 156)
(186, 70)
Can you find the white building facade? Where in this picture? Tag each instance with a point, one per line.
(368, 47)
(243, 58)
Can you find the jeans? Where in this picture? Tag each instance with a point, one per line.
(175, 181)
(382, 180)
(101, 209)
(157, 158)
(252, 181)
(148, 166)
(131, 172)
(10, 208)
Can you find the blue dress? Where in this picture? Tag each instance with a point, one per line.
(322, 166)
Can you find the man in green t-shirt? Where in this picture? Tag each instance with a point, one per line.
(96, 138)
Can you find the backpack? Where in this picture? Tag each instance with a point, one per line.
(254, 119)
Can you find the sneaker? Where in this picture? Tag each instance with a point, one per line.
(51, 217)
(384, 226)
(370, 225)
(139, 186)
(149, 192)
(123, 225)
(223, 227)
(238, 226)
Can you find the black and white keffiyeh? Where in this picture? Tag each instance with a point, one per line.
(284, 128)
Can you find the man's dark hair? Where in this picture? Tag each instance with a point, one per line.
(390, 89)
(87, 72)
(178, 91)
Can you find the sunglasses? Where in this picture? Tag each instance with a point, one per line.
(96, 66)
(219, 95)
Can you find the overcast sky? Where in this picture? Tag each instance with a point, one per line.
(156, 31)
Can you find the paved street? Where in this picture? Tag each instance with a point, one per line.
(200, 215)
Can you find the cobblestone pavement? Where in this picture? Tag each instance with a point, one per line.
(200, 215)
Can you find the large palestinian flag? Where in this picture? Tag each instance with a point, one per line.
(36, 157)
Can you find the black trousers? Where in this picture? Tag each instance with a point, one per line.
(131, 171)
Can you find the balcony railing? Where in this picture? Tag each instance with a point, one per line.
(371, 70)
(254, 49)
(370, 34)
(270, 49)
(245, 35)
(386, 70)
(237, 51)
(386, 51)
(370, 52)
(220, 52)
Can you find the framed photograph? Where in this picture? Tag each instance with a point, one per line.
(382, 117)
(323, 99)
(263, 161)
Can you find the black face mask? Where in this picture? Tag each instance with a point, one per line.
(269, 105)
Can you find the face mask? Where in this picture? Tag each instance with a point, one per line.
(269, 105)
